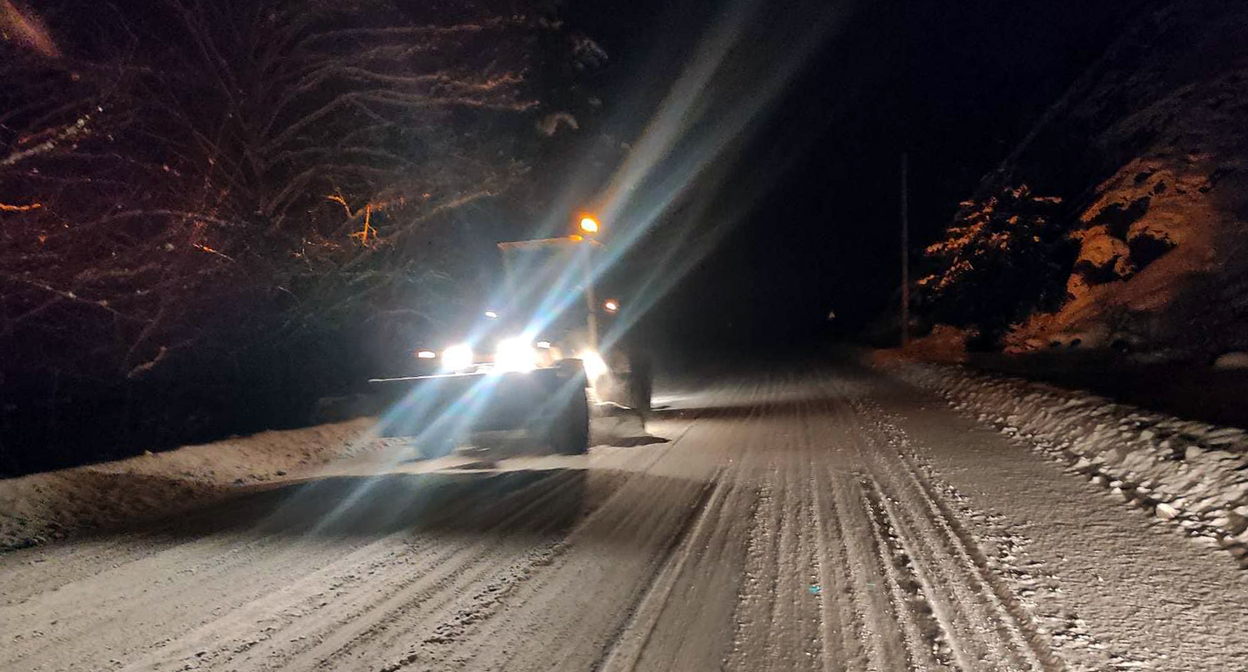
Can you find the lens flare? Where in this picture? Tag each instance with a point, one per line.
(515, 354)
(595, 366)
(696, 133)
(457, 357)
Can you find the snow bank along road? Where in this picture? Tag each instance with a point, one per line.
(822, 518)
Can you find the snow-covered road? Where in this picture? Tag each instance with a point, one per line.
(825, 517)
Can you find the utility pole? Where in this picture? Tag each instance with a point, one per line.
(591, 301)
(905, 254)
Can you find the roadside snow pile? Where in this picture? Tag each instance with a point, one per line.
(1189, 472)
(40, 507)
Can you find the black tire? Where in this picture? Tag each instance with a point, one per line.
(426, 447)
(438, 446)
(640, 387)
(397, 428)
(429, 442)
(569, 432)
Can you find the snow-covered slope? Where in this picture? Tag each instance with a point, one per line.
(1148, 153)
(40, 507)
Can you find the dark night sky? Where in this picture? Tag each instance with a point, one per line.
(954, 84)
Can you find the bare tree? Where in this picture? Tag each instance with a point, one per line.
(200, 175)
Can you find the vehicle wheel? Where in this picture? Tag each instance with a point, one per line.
(640, 387)
(438, 444)
(397, 428)
(569, 433)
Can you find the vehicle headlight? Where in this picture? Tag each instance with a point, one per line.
(595, 366)
(457, 357)
(515, 354)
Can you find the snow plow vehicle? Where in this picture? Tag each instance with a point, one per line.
(531, 361)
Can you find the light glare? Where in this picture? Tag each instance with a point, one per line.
(457, 357)
(595, 366)
(515, 354)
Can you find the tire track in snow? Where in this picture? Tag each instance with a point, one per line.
(1012, 613)
(627, 643)
(225, 571)
(709, 565)
(801, 482)
(758, 570)
(922, 635)
(305, 613)
(777, 616)
(240, 567)
(545, 600)
(643, 517)
(983, 632)
(431, 593)
(840, 627)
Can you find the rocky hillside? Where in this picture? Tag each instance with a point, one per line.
(1120, 220)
